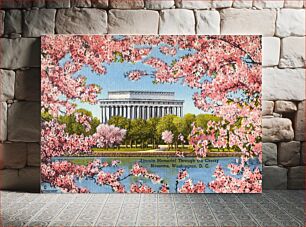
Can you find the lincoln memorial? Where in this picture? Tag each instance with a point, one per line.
(140, 104)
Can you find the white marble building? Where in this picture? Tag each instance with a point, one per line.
(140, 104)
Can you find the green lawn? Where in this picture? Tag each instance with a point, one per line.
(222, 150)
(133, 149)
(122, 149)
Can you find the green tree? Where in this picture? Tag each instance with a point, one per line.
(152, 132)
(139, 131)
(181, 127)
(202, 119)
(189, 119)
(119, 121)
(46, 116)
(167, 123)
(74, 127)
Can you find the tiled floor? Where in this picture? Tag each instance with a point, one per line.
(272, 208)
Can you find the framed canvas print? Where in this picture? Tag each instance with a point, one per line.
(151, 114)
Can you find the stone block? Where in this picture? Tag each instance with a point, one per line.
(299, 122)
(289, 153)
(192, 4)
(99, 3)
(15, 4)
(13, 21)
(20, 53)
(267, 108)
(80, 3)
(221, 4)
(33, 158)
(7, 81)
(2, 15)
(296, 178)
(126, 4)
(292, 52)
(208, 22)
(270, 51)
(303, 157)
(259, 22)
(3, 121)
(133, 22)
(177, 22)
(261, 4)
(285, 107)
(269, 154)
(30, 178)
(24, 122)
(159, 4)
(9, 179)
(81, 21)
(27, 85)
(39, 3)
(55, 4)
(290, 22)
(242, 4)
(277, 129)
(283, 84)
(293, 4)
(13, 155)
(39, 22)
(26, 179)
(274, 177)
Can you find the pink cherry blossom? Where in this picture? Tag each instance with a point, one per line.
(167, 137)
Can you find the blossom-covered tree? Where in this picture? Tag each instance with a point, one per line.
(56, 142)
(167, 137)
(63, 175)
(250, 182)
(108, 135)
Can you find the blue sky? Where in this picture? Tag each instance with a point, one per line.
(114, 80)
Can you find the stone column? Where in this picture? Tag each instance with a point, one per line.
(146, 112)
(118, 110)
(122, 111)
(131, 112)
(136, 112)
(149, 112)
(105, 114)
(115, 110)
(102, 114)
(152, 111)
(141, 112)
(110, 111)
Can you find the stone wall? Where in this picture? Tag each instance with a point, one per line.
(281, 22)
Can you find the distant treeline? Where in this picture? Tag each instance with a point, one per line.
(141, 132)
